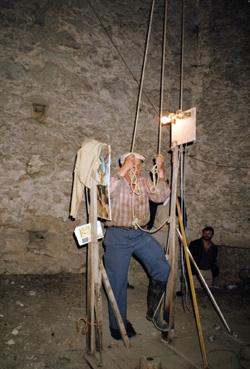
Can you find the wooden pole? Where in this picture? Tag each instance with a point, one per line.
(114, 305)
(98, 309)
(211, 297)
(92, 276)
(95, 275)
(98, 316)
(173, 250)
(193, 294)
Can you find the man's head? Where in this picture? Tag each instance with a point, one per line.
(136, 155)
(207, 233)
(133, 160)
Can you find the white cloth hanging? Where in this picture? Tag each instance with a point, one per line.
(86, 166)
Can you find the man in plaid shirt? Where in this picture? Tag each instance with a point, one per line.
(130, 194)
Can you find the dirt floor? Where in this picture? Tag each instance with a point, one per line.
(38, 317)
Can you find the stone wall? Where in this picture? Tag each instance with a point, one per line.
(234, 265)
(70, 70)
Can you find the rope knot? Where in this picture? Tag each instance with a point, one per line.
(85, 325)
(154, 172)
(134, 185)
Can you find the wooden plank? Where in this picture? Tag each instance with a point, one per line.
(173, 250)
(90, 302)
(92, 276)
(116, 357)
(98, 313)
(93, 361)
(114, 305)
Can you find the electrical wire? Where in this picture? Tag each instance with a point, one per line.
(216, 164)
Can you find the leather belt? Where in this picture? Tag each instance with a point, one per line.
(126, 228)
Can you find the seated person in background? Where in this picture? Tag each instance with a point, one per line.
(205, 252)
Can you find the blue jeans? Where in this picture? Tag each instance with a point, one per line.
(120, 244)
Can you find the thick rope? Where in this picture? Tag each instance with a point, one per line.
(155, 178)
(134, 185)
(142, 75)
(86, 324)
(182, 148)
(182, 57)
(135, 190)
(162, 75)
(133, 179)
(166, 221)
(154, 170)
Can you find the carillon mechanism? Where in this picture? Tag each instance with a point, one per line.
(167, 118)
(180, 114)
(170, 118)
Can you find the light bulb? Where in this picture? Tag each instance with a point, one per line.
(165, 119)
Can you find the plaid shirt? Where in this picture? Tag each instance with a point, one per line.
(121, 197)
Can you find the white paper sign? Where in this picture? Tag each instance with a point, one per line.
(83, 233)
(184, 130)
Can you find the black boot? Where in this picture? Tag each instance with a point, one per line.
(155, 292)
(116, 334)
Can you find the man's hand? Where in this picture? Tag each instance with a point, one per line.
(160, 162)
(127, 165)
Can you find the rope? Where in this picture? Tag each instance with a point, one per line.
(167, 249)
(142, 75)
(135, 189)
(154, 172)
(167, 220)
(183, 272)
(162, 75)
(182, 148)
(134, 186)
(86, 325)
(182, 57)
(134, 182)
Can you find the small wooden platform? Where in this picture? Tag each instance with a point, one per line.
(116, 356)
(111, 358)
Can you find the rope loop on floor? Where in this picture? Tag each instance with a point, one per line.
(85, 325)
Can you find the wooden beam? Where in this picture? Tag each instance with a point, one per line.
(92, 275)
(173, 250)
(114, 305)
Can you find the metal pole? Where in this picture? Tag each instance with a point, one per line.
(172, 249)
(214, 303)
(195, 304)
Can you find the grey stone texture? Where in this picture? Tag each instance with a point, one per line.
(70, 70)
